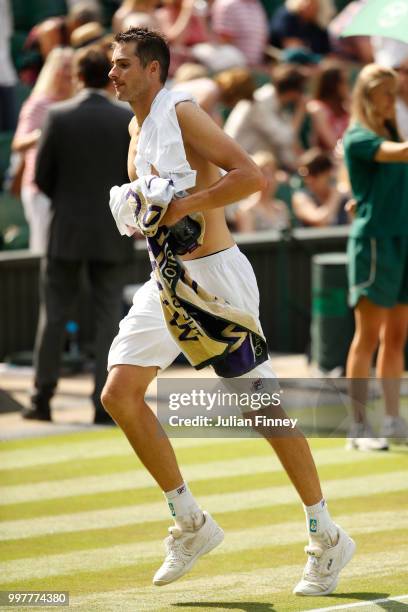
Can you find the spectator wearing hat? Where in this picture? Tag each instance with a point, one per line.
(87, 34)
(134, 13)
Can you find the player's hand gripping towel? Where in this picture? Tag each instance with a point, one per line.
(208, 330)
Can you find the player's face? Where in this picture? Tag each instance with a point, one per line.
(129, 78)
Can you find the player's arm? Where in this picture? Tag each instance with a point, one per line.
(203, 135)
(389, 151)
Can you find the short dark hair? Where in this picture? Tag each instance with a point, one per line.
(150, 46)
(314, 162)
(93, 65)
(288, 78)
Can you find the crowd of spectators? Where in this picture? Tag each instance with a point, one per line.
(275, 74)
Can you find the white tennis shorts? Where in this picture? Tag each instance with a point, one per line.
(143, 337)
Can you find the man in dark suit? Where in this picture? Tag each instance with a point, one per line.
(82, 153)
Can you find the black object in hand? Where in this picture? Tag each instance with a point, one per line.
(184, 235)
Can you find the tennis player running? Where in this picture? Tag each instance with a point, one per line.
(143, 345)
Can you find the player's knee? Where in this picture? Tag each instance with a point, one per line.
(119, 398)
(114, 400)
(109, 398)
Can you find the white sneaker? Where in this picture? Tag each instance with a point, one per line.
(185, 547)
(321, 574)
(395, 428)
(361, 437)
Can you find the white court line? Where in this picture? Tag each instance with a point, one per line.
(360, 604)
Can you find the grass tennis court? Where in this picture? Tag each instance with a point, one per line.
(80, 514)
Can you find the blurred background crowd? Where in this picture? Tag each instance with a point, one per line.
(275, 74)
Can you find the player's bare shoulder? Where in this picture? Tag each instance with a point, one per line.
(132, 125)
(208, 139)
(134, 131)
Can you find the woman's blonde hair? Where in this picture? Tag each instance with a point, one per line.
(363, 109)
(235, 84)
(48, 79)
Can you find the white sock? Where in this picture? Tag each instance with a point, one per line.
(319, 523)
(187, 514)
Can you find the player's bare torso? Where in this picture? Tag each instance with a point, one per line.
(217, 235)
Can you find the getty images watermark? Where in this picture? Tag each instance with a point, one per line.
(238, 407)
(245, 407)
(209, 401)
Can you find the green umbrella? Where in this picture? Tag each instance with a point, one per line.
(381, 18)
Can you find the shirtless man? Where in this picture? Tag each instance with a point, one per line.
(139, 70)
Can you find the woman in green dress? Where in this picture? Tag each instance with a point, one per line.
(377, 163)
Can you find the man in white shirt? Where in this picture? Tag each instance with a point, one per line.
(273, 119)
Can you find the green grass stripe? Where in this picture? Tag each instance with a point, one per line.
(269, 515)
(208, 570)
(254, 591)
(209, 486)
(206, 452)
(59, 448)
(140, 478)
(41, 442)
(238, 500)
(282, 534)
(64, 447)
(66, 452)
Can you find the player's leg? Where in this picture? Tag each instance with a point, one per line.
(296, 458)
(124, 398)
(330, 547)
(195, 532)
(142, 346)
